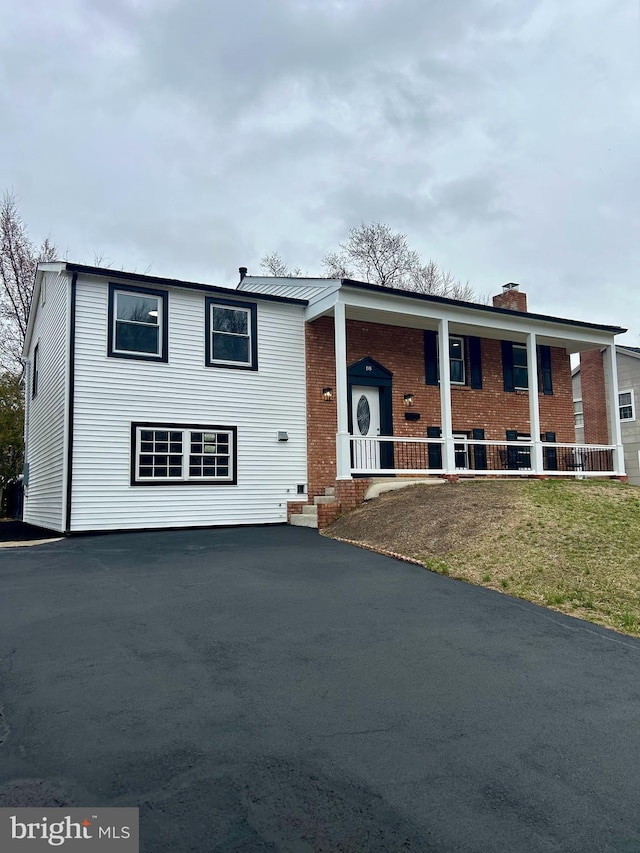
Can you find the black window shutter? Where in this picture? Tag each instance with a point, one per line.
(475, 361)
(430, 358)
(507, 366)
(550, 453)
(479, 450)
(545, 369)
(434, 450)
(512, 452)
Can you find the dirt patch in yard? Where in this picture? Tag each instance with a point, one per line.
(432, 519)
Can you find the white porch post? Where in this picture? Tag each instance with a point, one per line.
(448, 448)
(615, 433)
(534, 408)
(343, 455)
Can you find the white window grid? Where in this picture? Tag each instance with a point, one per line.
(166, 454)
(626, 405)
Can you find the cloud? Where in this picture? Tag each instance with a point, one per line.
(500, 136)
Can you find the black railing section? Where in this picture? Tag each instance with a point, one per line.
(473, 456)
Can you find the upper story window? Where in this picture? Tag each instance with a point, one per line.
(35, 370)
(464, 368)
(520, 369)
(626, 406)
(578, 414)
(515, 367)
(456, 360)
(138, 323)
(231, 334)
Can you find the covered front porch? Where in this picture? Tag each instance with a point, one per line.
(471, 421)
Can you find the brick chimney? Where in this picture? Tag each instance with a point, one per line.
(594, 400)
(511, 298)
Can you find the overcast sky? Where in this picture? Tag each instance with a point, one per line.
(193, 136)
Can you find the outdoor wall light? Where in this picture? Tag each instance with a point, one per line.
(327, 394)
(408, 400)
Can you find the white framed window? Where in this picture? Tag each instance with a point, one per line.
(524, 454)
(520, 368)
(231, 334)
(578, 414)
(456, 360)
(165, 454)
(137, 323)
(35, 377)
(461, 452)
(626, 405)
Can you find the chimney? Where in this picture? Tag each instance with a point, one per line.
(243, 272)
(511, 298)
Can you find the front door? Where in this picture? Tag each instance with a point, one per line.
(365, 415)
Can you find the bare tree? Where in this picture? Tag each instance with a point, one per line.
(272, 264)
(375, 253)
(11, 422)
(18, 261)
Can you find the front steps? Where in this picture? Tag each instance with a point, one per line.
(309, 515)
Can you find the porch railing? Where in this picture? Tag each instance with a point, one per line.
(392, 454)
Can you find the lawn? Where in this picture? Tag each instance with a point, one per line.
(570, 545)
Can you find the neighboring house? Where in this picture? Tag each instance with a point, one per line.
(158, 403)
(378, 402)
(591, 388)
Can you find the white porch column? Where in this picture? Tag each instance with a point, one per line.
(343, 455)
(448, 448)
(615, 433)
(534, 408)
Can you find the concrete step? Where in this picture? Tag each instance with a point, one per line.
(304, 520)
(330, 491)
(310, 509)
(324, 499)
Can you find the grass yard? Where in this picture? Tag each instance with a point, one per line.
(570, 545)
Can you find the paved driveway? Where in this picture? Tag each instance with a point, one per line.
(266, 689)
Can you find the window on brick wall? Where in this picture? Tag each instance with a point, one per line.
(578, 414)
(464, 369)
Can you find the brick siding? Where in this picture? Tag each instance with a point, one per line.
(594, 401)
(401, 351)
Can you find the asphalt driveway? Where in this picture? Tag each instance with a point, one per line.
(265, 689)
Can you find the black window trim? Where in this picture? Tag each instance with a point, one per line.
(543, 360)
(471, 360)
(163, 356)
(210, 301)
(203, 481)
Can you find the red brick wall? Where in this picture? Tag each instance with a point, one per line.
(401, 351)
(594, 401)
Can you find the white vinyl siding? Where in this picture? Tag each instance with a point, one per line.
(112, 394)
(629, 381)
(45, 439)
